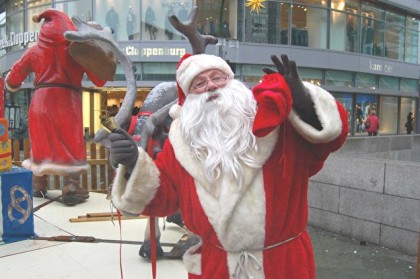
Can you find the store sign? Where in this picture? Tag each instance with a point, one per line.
(380, 67)
(21, 39)
(154, 51)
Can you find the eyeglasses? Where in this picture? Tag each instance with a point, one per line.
(218, 80)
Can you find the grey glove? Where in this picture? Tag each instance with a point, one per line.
(123, 149)
(302, 102)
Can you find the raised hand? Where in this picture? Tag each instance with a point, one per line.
(302, 102)
(123, 149)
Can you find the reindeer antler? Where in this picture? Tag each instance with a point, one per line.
(198, 41)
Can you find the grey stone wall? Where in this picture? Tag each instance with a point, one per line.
(361, 195)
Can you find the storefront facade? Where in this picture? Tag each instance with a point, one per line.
(365, 53)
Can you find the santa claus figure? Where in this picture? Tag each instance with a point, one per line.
(55, 113)
(236, 164)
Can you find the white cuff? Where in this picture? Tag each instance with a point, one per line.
(328, 115)
(134, 194)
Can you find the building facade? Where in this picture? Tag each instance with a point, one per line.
(366, 53)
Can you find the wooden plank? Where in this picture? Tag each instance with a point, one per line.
(16, 150)
(111, 172)
(93, 168)
(57, 185)
(84, 181)
(98, 159)
(106, 218)
(100, 214)
(102, 169)
(26, 148)
(95, 162)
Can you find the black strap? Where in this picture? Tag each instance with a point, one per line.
(62, 85)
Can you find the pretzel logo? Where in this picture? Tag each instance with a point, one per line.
(15, 204)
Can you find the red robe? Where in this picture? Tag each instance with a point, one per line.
(258, 229)
(55, 113)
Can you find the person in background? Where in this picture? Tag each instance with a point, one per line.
(409, 123)
(372, 124)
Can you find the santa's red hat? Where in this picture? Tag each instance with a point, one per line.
(55, 24)
(188, 68)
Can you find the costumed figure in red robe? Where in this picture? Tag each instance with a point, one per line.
(55, 113)
(236, 164)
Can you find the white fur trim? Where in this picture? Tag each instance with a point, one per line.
(133, 195)
(222, 210)
(196, 64)
(237, 215)
(39, 169)
(8, 87)
(194, 167)
(192, 259)
(327, 111)
(175, 111)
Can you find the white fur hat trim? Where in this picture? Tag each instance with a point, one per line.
(196, 64)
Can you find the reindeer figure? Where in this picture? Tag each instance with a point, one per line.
(154, 127)
(154, 120)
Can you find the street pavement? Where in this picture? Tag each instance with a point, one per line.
(336, 256)
(339, 257)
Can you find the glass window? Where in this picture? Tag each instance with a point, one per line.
(372, 10)
(37, 3)
(364, 105)
(252, 73)
(372, 37)
(351, 6)
(14, 26)
(347, 101)
(339, 78)
(256, 26)
(216, 18)
(14, 6)
(3, 37)
(270, 25)
(344, 31)
(387, 115)
(394, 37)
(366, 81)
(407, 105)
(81, 9)
(284, 23)
(159, 71)
(312, 2)
(313, 76)
(388, 83)
(309, 27)
(34, 26)
(409, 85)
(154, 21)
(412, 40)
(277, 23)
(124, 20)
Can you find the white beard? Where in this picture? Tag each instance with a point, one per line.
(219, 131)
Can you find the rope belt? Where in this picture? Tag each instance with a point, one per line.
(62, 85)
(245, 257)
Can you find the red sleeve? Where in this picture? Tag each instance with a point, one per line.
(166, 200)
(20, 70)
(274, 101)
(97, 81)
(322, 150)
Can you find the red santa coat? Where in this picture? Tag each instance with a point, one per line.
(55, 113)
(258, 229)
